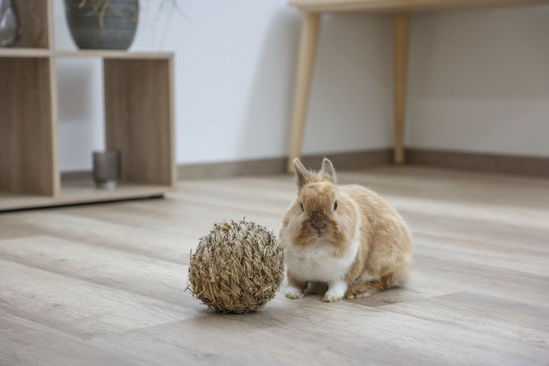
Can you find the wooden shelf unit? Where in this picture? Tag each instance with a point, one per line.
(139, 118)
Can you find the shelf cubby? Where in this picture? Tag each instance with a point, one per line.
(138, 115)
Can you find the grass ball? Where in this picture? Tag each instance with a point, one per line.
(237, 267)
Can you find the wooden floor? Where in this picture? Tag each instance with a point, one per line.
(104, 284)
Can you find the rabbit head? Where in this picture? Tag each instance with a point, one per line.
(320, 211)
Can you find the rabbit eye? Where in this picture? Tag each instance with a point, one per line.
(335, 205)
(301, 205)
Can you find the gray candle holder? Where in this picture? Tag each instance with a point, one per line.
(106, 169)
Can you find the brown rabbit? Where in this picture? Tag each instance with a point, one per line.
(345, 236)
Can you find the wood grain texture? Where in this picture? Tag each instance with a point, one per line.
(54, 107)
(105, 284)
(105, 54)
(153, 278)
(26, 127)
(401, 37)
(24, 52)
(50, 25)
(113, 54)
(33, 18)
(304, 76)
(79, 192)
(139, 118)
(25, 342)
(398, 6)
(111, 310)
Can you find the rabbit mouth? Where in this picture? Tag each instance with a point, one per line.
(318, 232)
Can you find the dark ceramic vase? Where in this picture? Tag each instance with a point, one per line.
(115, 30)
(8, 24)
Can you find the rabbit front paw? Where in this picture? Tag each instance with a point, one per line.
(336, 291)
(293, 293)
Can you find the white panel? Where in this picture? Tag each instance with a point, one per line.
(479, 81)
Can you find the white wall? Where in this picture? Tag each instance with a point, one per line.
(234, 72)
(479, 81)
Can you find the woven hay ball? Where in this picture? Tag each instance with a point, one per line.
(237, 267)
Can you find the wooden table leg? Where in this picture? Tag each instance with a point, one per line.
(401, 30)
(305, 66)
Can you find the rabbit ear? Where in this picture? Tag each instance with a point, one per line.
(303, 175)
(328, 170)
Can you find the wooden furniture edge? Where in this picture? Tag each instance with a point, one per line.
(106, 54)
(396, 6)
(124, 192)
(112, 54)
(304, 74)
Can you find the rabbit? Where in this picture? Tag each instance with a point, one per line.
(344, 236)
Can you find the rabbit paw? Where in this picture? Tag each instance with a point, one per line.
(293, 293)
(335, 292)
(328, 298)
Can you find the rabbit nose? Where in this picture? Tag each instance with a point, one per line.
(318, 225)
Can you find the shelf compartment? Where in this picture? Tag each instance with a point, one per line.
(139, 118)
(27, 163)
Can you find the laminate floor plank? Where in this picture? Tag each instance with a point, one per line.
(23, 342)
(153, 278)
(99, 232)
(78, 307)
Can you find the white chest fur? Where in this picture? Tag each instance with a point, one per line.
(317, 262)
